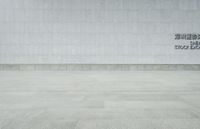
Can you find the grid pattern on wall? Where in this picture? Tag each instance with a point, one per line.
(96, 31)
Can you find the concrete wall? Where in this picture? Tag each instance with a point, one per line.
(97, 31)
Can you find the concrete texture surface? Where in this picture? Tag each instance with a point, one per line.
(100, 100)
(99, 67)
(97, 31)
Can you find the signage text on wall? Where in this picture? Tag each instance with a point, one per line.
(187, 41)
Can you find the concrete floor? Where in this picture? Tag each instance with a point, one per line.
(99, 100)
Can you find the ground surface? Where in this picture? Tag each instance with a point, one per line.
(99, 100)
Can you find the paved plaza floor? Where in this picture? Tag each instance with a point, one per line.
(99, 100)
